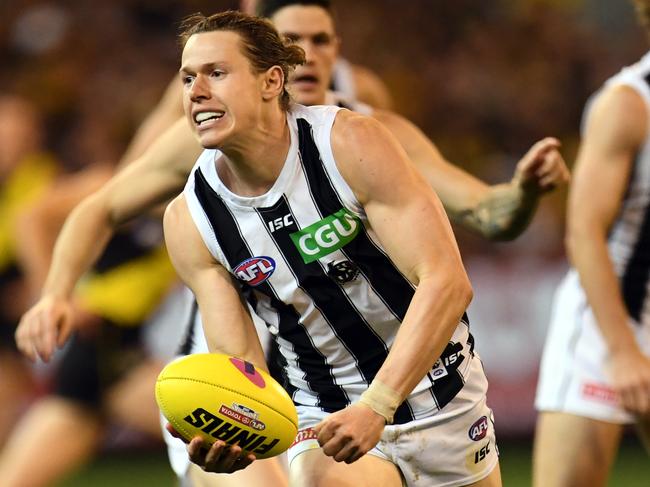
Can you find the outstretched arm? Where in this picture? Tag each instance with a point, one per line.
(498, 212)
(615, 130)
(153, 179)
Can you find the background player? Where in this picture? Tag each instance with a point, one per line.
(595, 374)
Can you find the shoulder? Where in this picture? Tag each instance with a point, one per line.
(355, 130)
(619, 114)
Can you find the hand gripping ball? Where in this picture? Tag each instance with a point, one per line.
(219, 397)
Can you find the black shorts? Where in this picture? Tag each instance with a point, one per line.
(91, 365)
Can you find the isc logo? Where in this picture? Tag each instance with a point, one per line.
(255, 271)
(279, 223)
(479, 429)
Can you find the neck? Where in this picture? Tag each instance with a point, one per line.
(253, 163)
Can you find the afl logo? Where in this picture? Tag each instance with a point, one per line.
(479, 429)
(255, 271)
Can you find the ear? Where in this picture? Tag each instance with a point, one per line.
(272, 83)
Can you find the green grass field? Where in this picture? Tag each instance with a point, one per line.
(150, 468)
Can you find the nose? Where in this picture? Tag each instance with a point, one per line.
(199, 89)
(308, 47)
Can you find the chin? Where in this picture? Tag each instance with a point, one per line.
(209, 141)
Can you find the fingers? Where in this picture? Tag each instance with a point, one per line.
(23, 343)
(535, 155)
(220, 457)
(43, 328)
(339, 443)
(636, 400)
(553, 172)
(543, 166)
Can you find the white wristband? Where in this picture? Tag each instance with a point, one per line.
(382, 399)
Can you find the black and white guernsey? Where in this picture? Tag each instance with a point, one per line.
(313, 269)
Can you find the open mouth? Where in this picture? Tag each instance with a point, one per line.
(202, 117)
(305, 79)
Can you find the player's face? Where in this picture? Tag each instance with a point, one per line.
(311, 28)
(221, 94)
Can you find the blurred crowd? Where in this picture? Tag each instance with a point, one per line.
(483, 79)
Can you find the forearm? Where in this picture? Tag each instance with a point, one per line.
(432, 317)
(82, 239)
(589, 256)
(503, 213)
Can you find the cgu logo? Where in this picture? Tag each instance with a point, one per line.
(479, 429)
(326, 236)
(255, 271)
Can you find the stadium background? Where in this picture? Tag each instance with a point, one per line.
(483, 79)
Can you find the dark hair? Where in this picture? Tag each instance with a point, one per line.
(643, 12)
(266, 8)
(262, 44)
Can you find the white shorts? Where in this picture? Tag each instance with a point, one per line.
(439, 450)
(574, 376)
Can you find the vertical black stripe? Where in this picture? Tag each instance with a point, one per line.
(445, 388)
(188, 342)
(318, 373)
(637, 269)
(393, 288)
(329, 298)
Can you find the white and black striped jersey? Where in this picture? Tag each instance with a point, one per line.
(629, 237)
(313, 270)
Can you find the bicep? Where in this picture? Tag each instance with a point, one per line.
(613, 134)
(404, 212)
(227, 324)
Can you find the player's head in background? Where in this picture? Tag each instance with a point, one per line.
(643, 13)
(310, 25)
(233, 69)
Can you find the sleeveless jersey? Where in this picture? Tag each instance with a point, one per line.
(629, 237)
(313, 270)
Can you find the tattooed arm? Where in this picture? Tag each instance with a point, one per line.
(499, 212)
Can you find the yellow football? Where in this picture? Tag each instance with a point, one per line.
(219, 397)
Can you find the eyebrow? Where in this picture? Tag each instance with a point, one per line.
(295, 35)
(203, 67)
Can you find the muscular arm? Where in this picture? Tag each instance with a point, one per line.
(227, 324)
(413, 228)
(498, 212)
(616, 127)
(152, 179)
